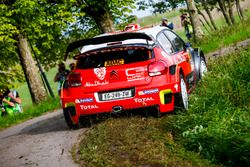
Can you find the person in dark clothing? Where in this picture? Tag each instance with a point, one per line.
(165, 23)
(61, 76)
(185, 22)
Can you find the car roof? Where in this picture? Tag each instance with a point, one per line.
(146, 36)
(151, 32)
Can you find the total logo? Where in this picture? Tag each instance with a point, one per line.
(87, 107)
(146, 99)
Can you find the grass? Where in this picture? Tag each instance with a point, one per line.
(217, 126)
(225, 36)
(156, 18)
(30, 112)
(134, 142)
(24, 93)
(214, 132)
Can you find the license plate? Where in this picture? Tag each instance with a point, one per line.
(116, 95)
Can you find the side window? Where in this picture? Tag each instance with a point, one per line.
(177, 41)
(165, 43)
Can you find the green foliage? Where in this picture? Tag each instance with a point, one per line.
(225, 36)
(160, 6)
(217, 124)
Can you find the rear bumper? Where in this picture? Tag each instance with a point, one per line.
(147, 96)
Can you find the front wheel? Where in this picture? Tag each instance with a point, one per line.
(203, 68)
(182, 97)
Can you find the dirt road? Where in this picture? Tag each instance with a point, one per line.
(43, 141)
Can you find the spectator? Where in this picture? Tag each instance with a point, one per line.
(185, 22)
(11, 102)
(61, 76)
(72, 66)
(165, 23)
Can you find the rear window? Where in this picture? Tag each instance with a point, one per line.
(112, 57)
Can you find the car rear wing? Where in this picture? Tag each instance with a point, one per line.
(106, 39)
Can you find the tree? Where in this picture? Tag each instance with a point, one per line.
(198, 33)
(239, 9)
(48, 26)
(104, 12)
(30, 19)
(205, 4)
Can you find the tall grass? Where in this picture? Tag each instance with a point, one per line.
(225, 36)
(217, 126)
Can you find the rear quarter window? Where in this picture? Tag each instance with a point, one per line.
(113, 57)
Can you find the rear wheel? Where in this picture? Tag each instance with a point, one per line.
(68, 120)
(203, 68)
(182, 97)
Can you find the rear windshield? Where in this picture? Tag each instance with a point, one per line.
(113, 57)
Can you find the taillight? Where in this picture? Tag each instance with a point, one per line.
(75, 79)
(157, 68)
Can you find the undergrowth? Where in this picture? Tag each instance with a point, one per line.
(133, 141)
(217, 126)
(225, 36)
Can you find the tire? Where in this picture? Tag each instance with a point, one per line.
(182, 97)
(68, 120)
(202, 68)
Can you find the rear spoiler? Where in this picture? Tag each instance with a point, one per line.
(105, 39)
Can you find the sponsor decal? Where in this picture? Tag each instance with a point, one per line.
(114, 75)
(146, 99)
(134, 74)
(96, 83)
(100, 72)
(87, 107)
(84, 100)
(150, 91)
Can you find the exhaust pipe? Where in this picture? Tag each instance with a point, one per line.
(117, 109)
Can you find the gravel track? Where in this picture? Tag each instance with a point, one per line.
(43, 141)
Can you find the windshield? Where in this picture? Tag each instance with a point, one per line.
(113, 56)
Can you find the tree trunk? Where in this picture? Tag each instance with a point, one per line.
(230, 11)
(104, 22)
(204, 25)
(224, 12)
(198, 33)
(102, 18)
(239, 9)
(204, 17)
(209, 14)
(36, 88)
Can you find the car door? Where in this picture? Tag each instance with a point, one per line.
(181, 55)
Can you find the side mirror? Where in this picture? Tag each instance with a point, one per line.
(187, 45)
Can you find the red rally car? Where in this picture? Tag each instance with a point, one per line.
(136, 68)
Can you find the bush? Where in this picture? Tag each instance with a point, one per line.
(217, 125)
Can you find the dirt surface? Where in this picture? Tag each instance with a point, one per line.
(43, 141)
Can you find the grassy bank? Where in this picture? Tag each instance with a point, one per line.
(30, 111)
(215, 128)
(225, 36)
